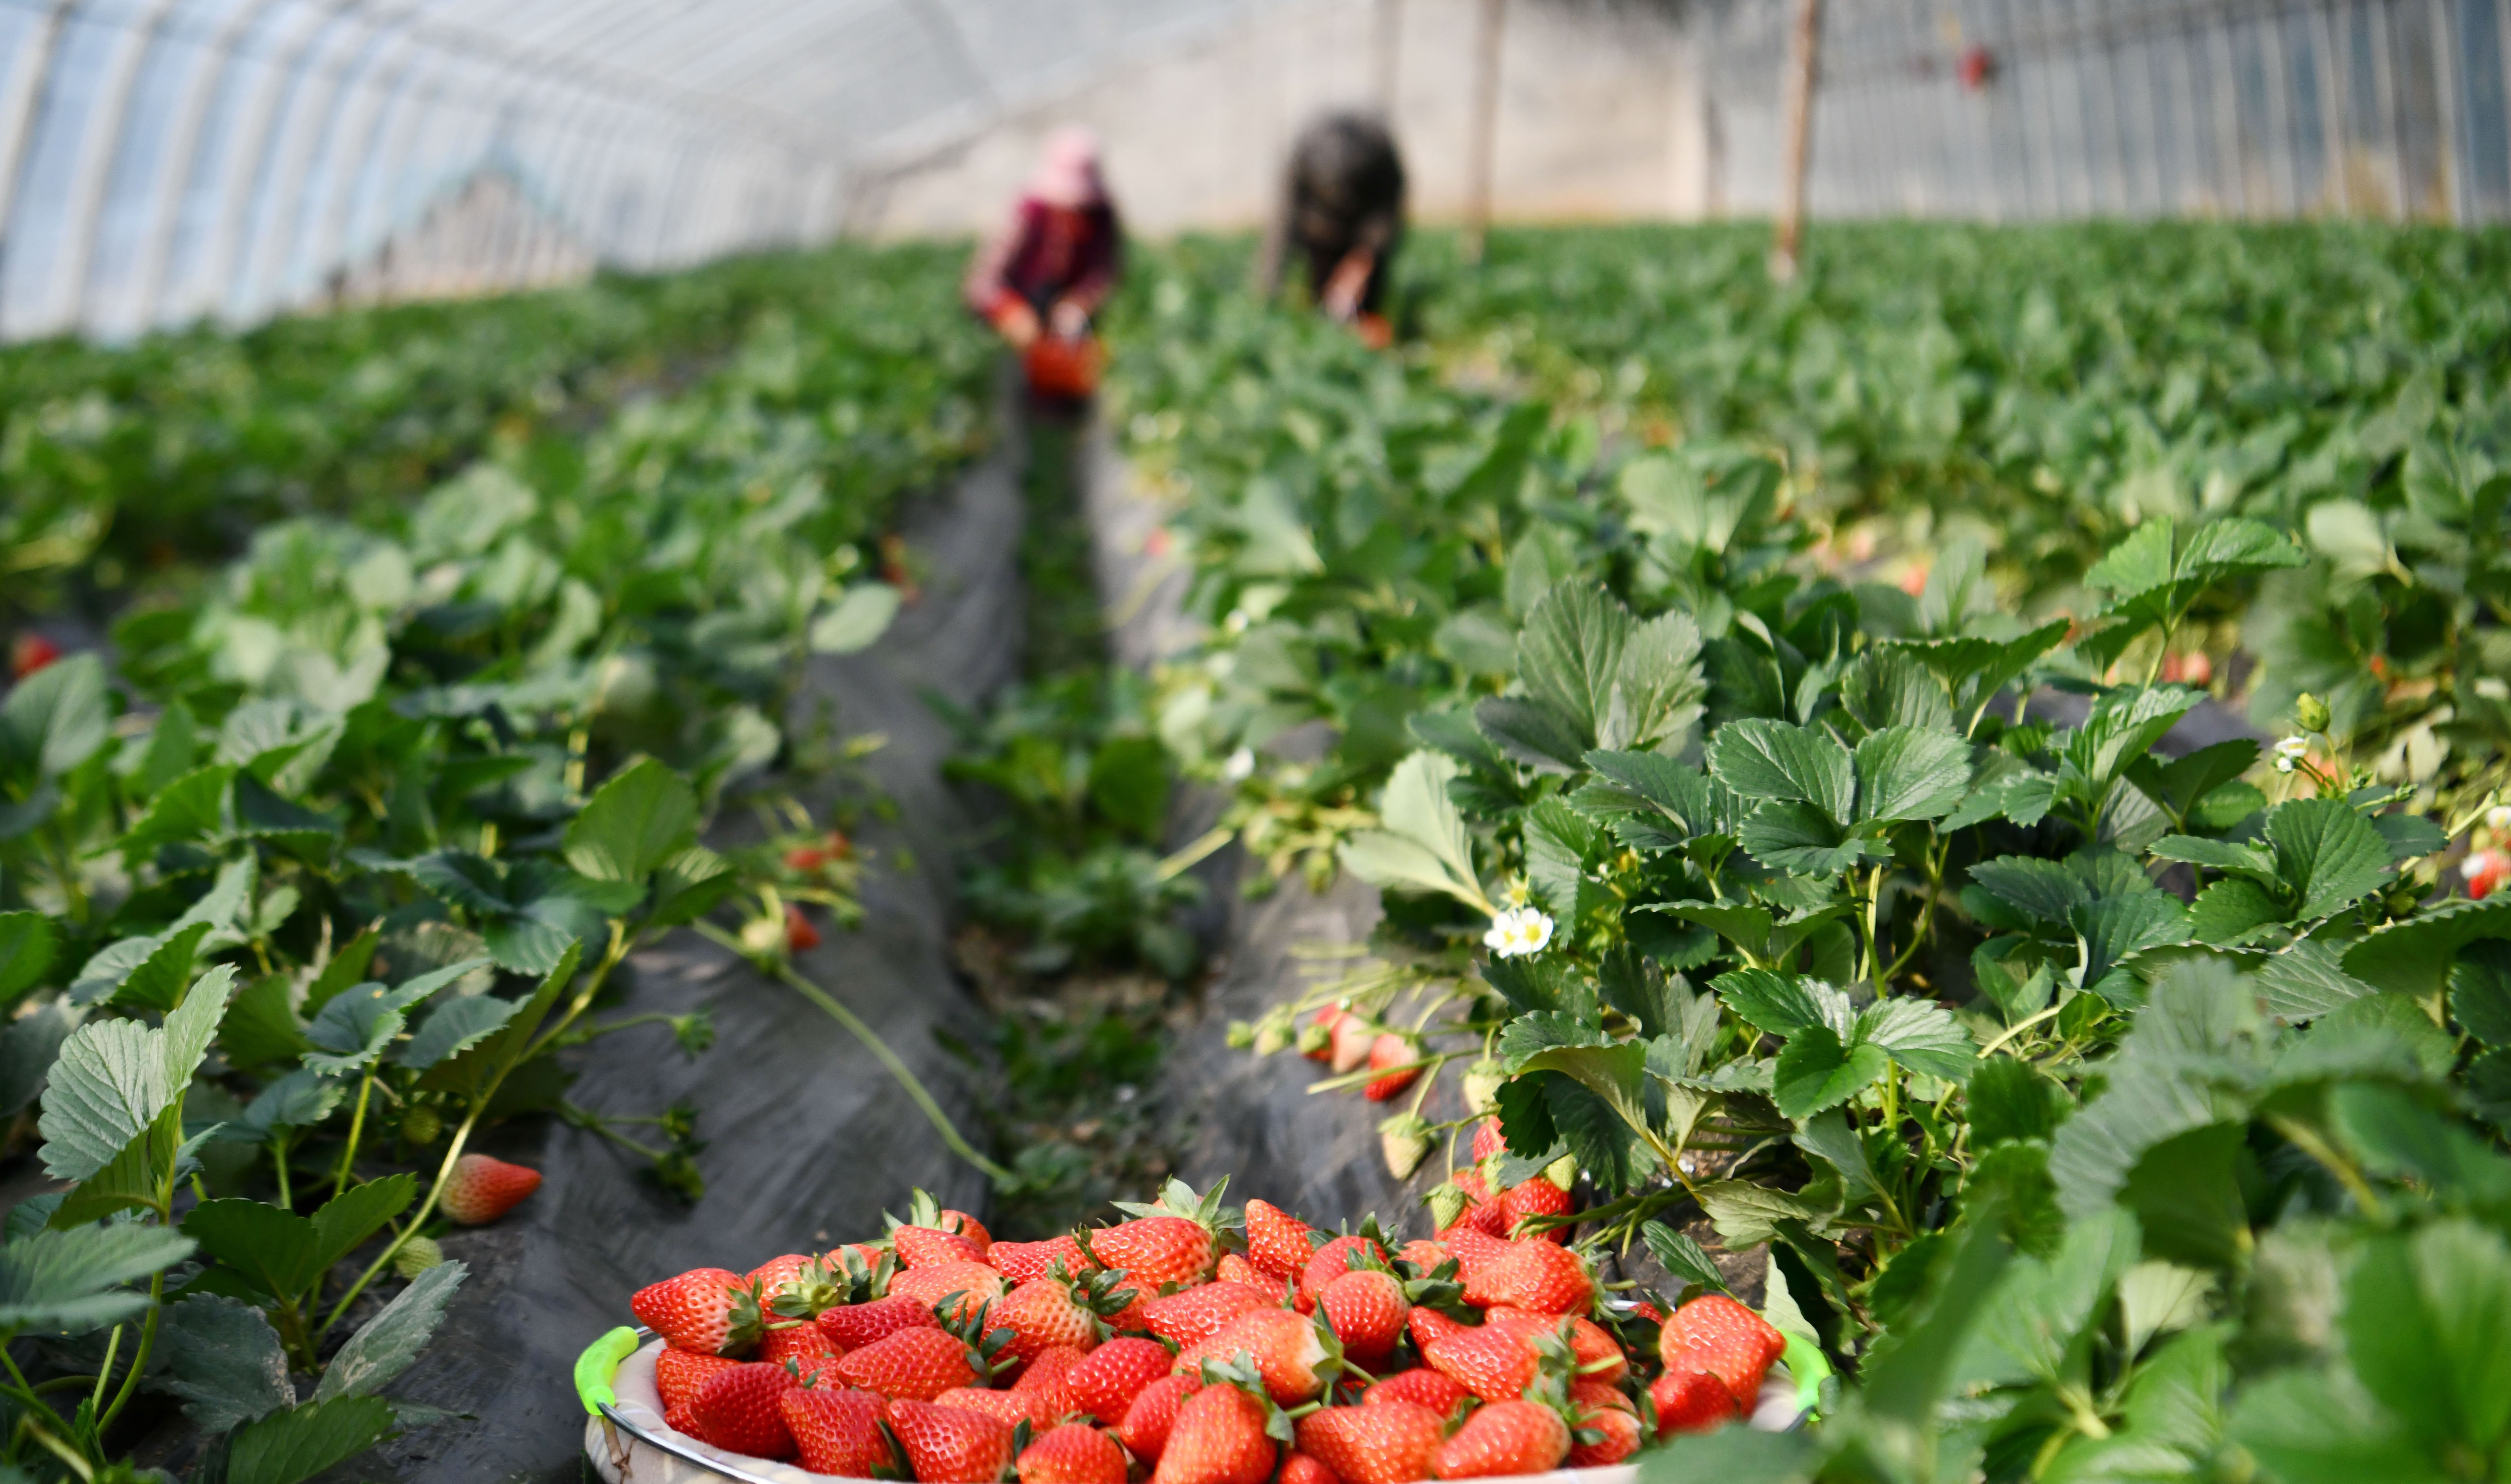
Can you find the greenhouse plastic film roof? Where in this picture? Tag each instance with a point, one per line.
(165, 160)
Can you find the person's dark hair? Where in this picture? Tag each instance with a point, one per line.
(1346, 164)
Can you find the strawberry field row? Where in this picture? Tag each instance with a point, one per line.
(348, 844)
(2095, 1094)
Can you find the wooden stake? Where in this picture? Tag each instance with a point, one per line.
(1485, 126)
(1801, 63)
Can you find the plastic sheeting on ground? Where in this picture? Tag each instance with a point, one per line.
(811, 1138)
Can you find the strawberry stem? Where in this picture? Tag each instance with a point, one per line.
(878, 1048)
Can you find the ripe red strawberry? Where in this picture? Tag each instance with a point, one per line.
(1537, 1196)
(961, 1223)
(799, 936)
(1366, 1308)
(1423, 1387)
(1317, 1045)
(838, 1432)
(484, 1189)
(1075, 1453)
(925, 1248)
(973, 1282)
(1480, 1218)
(1218, 1438)
(706, 1310)
(1428, 1324)
(852, 1326)
(1010, 1407)
(778, 1276)
(1603, 1408)
(1332, 1261)
(678, 1373)
(1494, 1363)
(1390, 1443)
(799, 1340)
(1715, 1334)
(1290, 1354)
(1155, 1252)
(1020, 1261)
(1199, 1312)
(1425, 1254)
(946, 1445)
(816, 1370)
(30, 653)
(1503, 1438)
(682, 1421)
(918, 1365)
(1128, 1321)
(1532, 1275)
(1691, 1401)
(1487, 1140)
(1046, 1312)
(805, 858)
(1590, 1346)
(1391, 1051)
(736, 1410)
(1472, 1249)
(1108, 1378)
(1145, 1428)
(1277, 1242)
(1299, 1468)
(1234, 1269)
(1042, 1381)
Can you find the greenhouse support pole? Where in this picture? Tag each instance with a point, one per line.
(1389, 43)
(1484, 134)
(1802, 41)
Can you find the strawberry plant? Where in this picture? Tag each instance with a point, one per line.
(2043, 1062)
(346, 855)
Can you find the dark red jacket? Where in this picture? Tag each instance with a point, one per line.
(1048, 253)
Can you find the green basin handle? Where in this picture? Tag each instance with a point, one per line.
(599, 1366)
(1806, 1362)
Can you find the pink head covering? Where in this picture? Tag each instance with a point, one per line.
(1068, 169)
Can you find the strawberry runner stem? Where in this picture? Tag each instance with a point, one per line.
(620, 942)
(854, 1024)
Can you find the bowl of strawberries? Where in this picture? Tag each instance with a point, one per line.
(1184, 1344)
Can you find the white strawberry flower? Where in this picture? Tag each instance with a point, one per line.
(2499, 819)
(2290, 753)
(1518, 931)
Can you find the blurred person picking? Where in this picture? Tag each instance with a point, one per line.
(1041, 278)
(1342, 213)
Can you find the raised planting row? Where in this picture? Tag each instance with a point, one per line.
(1192, 1344)
(2041, 392)
(2104, 1101)
(350, 848)
(121, 462)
